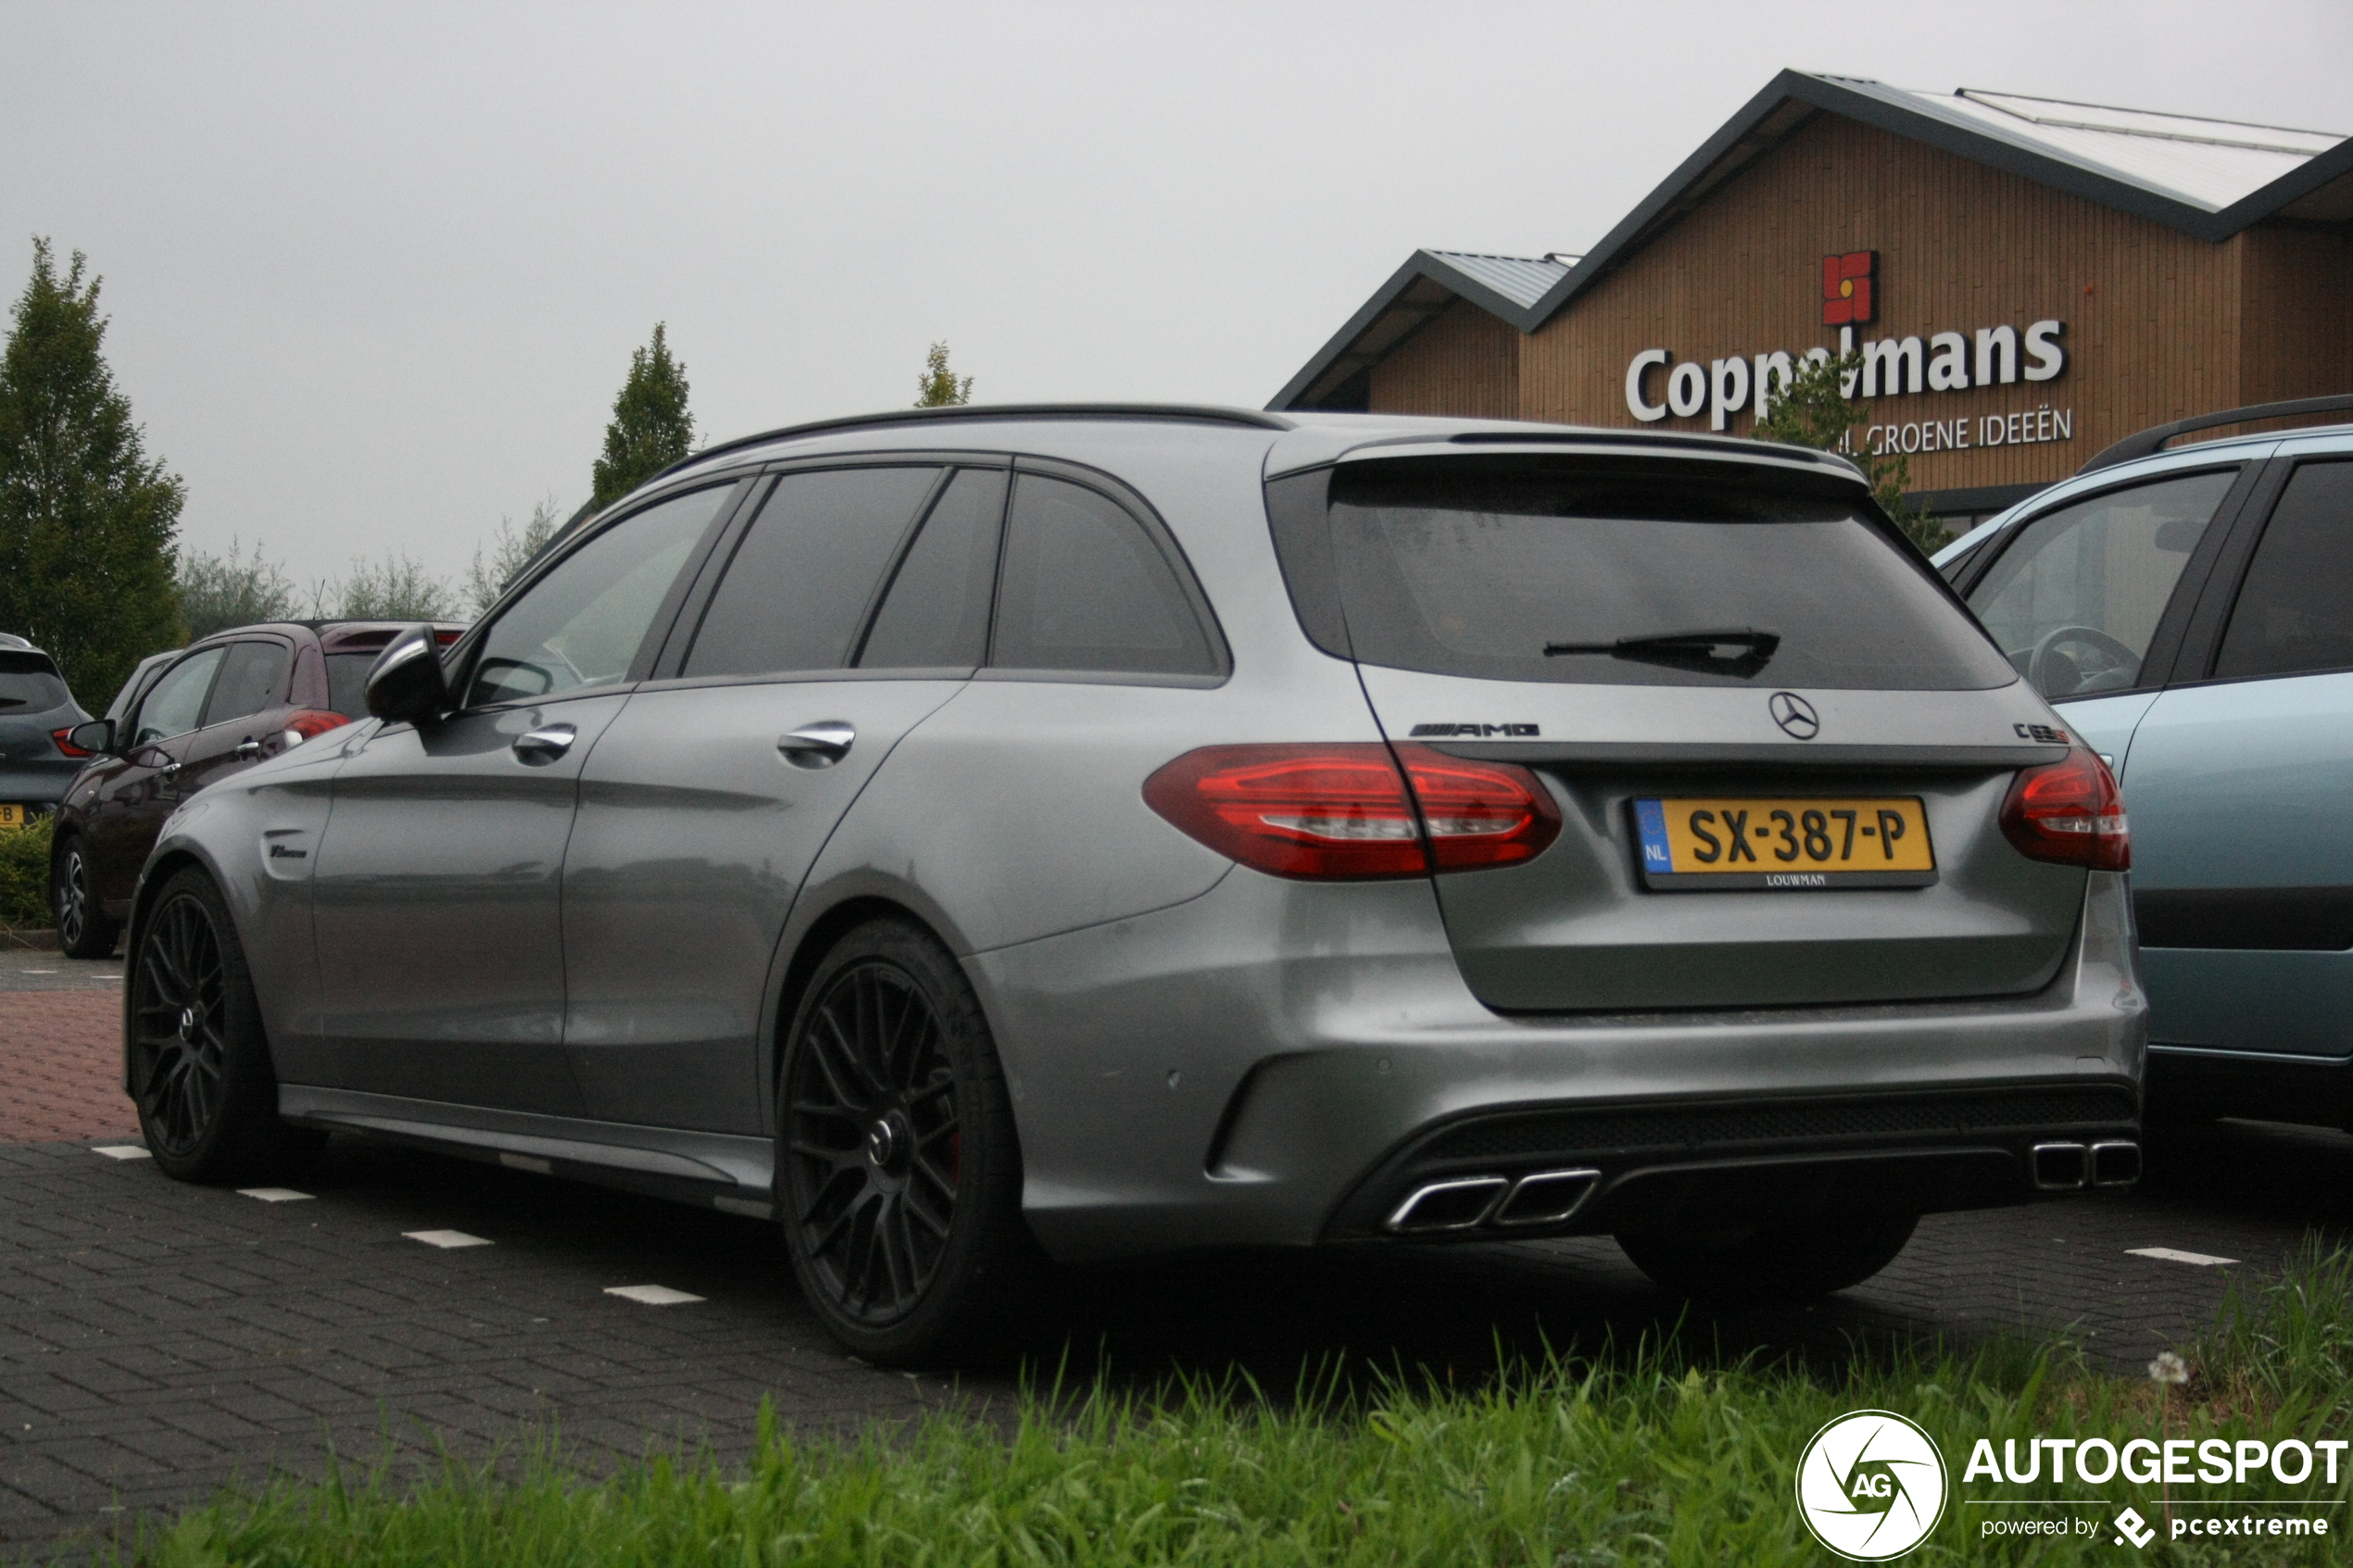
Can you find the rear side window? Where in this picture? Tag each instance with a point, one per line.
(1630, 573)
(936, 612)
(29, 684)
(802, 578)
(177, 702)
(2294, 611)
(2075, 597)
(253, 677)
(1087, 588)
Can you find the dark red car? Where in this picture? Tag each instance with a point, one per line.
(223, 704)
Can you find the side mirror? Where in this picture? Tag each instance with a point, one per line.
(94, 735)
(406, 684)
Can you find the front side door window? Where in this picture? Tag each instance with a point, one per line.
(176, 706)
(582, 624)
(2076, 596)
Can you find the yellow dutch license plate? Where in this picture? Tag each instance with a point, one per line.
(1801, 844)
(11, 816)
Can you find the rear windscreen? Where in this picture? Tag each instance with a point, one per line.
(1584, 570)
(29, 684)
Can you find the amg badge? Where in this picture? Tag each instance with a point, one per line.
(1472, 731)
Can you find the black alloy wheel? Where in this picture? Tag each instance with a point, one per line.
(897, 1177)
(200, 1071)
(83, 930)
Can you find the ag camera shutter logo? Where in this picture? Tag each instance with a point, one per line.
(1872, 1485)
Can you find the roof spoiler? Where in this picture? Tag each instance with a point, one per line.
(2153, 439)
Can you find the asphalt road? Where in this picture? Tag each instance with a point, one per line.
(157, 1341)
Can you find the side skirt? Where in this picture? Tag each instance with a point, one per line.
(710, 1169)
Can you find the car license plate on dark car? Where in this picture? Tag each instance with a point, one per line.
(1799, 844)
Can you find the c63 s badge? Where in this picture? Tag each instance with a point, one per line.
(1473, 732)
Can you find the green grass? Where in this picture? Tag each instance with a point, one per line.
(24, 875)
(1635, 1456)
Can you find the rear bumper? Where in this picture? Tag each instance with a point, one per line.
(1267, 1063)
(1732, 1163)
(37, 784)
(2311, 1090)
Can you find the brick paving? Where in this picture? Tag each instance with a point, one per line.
(157, 1341)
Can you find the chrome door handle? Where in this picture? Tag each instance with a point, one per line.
(818, 746)
(545, 745)
(168, 769)
(248, 749)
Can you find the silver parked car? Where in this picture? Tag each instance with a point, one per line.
(1100, 832)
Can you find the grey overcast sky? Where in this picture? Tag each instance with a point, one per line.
(374, 270)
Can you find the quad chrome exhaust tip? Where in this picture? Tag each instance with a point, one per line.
(1466, 1203)
(2070, 1167)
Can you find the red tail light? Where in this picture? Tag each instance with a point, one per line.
(309, 722)
(67, 746)
(2070, 812)
(1342, 811)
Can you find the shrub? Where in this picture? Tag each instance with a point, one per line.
(24, 875)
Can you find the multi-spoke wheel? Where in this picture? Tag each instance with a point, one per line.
(895, 1169)
(83, 930)
(199, 1066)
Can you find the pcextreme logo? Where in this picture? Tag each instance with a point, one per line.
(1872, 1485)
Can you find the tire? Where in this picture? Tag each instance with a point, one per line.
(898, 1171)
(1770, 1264)
(200, 1071)
(83, 930)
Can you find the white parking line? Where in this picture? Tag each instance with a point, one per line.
(2172, 1255)
(445, 1239)
(274, 1194)
(121, 1151)
(651, 1295)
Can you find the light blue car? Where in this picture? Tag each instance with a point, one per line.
(2190, 615)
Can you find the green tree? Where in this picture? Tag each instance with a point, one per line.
(650, 428)
(1815, 411)
(510, 553)
(218, 592)
(86, 520)
(938, 387)
(396, 588)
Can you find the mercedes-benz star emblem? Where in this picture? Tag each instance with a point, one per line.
(1796, 716)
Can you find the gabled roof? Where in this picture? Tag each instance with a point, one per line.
(2208, 177)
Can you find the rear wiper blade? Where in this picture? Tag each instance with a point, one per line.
(1741, 650)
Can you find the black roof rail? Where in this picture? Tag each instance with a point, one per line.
(2153, 439)
(1192, 413)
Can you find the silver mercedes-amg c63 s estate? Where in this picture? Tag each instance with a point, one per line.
(991, 836)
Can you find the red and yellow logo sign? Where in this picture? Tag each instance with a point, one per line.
(1849, 295)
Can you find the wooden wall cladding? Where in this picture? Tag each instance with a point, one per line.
(1465, 363)
(2159, 326)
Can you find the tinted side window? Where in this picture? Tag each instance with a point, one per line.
(252, 678)
(806, 570)
(1086, 589)
(174, 707)
(2294, 611)
(936, 612)
(581, 623)
(2075, 598)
